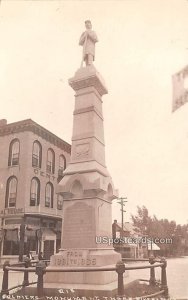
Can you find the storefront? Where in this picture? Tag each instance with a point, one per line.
(20, 235)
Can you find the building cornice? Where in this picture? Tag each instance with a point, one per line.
(30, 125)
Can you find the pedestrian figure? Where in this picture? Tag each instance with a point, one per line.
(40, 256)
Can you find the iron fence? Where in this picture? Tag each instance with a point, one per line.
(39, 267)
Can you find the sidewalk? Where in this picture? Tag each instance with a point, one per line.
(16, 278)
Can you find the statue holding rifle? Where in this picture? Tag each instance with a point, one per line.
(88, 40)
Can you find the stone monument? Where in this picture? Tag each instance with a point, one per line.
(86, 187)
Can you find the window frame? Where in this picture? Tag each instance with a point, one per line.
(61, 168)
(8, 192)
(11, 153)
(37, 199)
(50, 164)
(35, 156)
(59, 202)
(49, 203)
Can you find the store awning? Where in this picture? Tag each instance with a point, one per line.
(152, 246)
(11, 226)
(48, 234)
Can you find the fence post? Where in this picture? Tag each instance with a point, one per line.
(152, 280)
(164, 277)
(40, 271)
(4, 290)
(27, 264)
(120, 269)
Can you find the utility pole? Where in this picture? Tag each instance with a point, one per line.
(22, 238)
(122, 203)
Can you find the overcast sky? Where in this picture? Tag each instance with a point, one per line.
(141, 44)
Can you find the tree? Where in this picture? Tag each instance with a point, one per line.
(153, 227)
(142, 220)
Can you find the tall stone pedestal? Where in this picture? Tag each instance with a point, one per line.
(87, 190)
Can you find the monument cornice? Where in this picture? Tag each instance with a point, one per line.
(88, 77)
(88, 109)
(82, 137)
(94, 170)
(87, 91)
(85, 161)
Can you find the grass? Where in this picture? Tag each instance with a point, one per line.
(141, 289)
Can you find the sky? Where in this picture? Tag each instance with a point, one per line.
(142, 43)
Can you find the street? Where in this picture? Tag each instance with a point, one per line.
(177, 274)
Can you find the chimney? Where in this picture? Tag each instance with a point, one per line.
(3, 122)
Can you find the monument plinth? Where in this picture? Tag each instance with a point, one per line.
(86, 187)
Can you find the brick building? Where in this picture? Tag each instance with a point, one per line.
(32, 161)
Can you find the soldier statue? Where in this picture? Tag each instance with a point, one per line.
(88, 40)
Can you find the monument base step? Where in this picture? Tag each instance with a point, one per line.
(88, 278)
(58, 291)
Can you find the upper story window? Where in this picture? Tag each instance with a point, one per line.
(50, 166)
(14, 153)
(59, 202)
(49, 195)
(62, 167)
(11, 192)
(37, 154)
(35, 192)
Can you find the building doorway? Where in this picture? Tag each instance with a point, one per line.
(48, 249)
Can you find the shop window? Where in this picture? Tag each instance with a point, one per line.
(59, 202)
(49, 194)
(11, 242)
(51, 225)
(11, 192)
(48, 248)
(37, 154)
(50, 166)
(35, 192)
(14, 153)
(30, 241)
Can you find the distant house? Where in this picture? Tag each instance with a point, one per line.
(134, 244)
(129, 245)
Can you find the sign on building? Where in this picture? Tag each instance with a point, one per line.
(180, 88)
